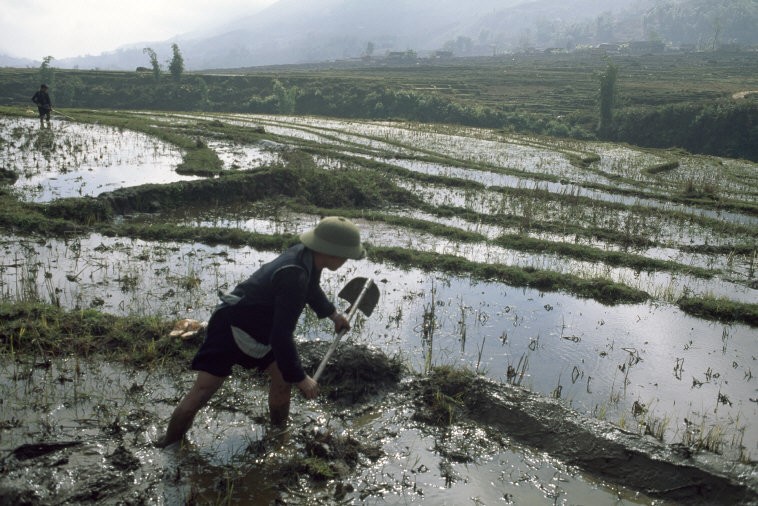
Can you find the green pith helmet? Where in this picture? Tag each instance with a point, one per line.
(335, 236)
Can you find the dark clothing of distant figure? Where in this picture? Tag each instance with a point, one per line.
(44, 104)
(266, 308)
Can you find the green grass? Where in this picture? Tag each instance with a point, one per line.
(200, 161)
(17, 217)
(48, 331)
(721, 309)
(662, 167)
(590, 254)
(602, 290)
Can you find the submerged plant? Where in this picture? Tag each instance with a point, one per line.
(428, 326)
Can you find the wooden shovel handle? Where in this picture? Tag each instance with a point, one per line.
(342, 332)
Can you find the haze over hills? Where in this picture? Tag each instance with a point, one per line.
(293, 31)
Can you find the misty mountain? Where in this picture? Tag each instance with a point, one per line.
(10, 61)
(293, 31)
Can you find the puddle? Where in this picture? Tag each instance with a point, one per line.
(523, 153)
(660, 227)
(531, 157)
(75, 160)
(237, 157)
(519, 153)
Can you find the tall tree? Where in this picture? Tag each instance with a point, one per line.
(607, 98)
(153, 62)
(46, 71)
(176, 66)
(286, 97)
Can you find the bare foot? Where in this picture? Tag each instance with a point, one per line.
(163, 442)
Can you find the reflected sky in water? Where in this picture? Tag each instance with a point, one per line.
(599, 359)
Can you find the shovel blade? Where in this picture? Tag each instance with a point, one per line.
(353, 289)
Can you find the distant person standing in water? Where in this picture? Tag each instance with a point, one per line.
(44, 105)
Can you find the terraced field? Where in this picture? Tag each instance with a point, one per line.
(616, 280)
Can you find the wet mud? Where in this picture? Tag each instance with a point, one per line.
(314, 461)
(671, 472)
(356, 374)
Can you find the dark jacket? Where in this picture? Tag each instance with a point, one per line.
(277, 294)
(42, 99)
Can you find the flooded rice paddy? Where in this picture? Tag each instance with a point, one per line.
(108, 416)
(76, 160)
(649, 368)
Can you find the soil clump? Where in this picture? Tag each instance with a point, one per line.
(355, 373)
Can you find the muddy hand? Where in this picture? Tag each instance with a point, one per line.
(309, 388)
(340, 322)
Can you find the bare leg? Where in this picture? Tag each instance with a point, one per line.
(181, 420)
(278, 396)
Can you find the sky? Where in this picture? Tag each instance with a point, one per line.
(68, 28)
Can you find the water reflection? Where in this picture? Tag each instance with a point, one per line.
(114, 410)
(691, 373)
(76, 160)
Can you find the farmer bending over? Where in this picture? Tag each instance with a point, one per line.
(254, 324)
(44, 105)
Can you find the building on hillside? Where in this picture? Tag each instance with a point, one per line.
(687, 48)
(592, 50)
(401, 56)
(639, 47)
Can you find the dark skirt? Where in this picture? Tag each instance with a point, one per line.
(219, 352)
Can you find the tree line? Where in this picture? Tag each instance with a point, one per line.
(175, 65)
(720, 127)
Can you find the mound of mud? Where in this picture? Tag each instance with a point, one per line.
(670, 472)
(33, 450)
(354, 373)
(326, 455)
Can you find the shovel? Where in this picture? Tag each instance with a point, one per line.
(64, 115)
(362, 294)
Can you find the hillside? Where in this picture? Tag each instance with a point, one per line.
(292, 32)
